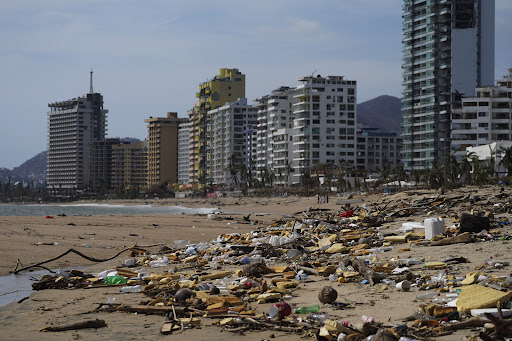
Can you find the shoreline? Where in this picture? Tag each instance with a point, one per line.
(101, 236)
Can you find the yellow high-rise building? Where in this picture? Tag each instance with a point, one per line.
(227, 86)
(163, 149)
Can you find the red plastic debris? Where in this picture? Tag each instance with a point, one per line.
(347, 214)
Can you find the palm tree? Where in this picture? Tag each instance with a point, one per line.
(400, 175)
(506, 159)
(466, 167)
(233, 171)
(492, 162)
(453, 168)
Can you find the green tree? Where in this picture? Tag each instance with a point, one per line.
(506, 159)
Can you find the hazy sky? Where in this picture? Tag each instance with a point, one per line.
(149, 57)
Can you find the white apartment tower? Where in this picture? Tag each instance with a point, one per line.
(274, 135)
(324, 123)
(485, 118)
(448, 50)
(74, 126)
(232, 141)
(184, 152)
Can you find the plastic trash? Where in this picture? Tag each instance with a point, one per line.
(256, 259)
(342, 337)
(180, 244)
(321, 318)
(427, 296)
(411, 261)
(493, 311)
(433, 227)
(134, 288)
(283, 308)
(413, 224)
(191, 250)
(347, 214)
(367, 319)
(301, 277)
(440, 300)
(110, 280)
(508, 281)
(63, 274)
(205, 286)
(311, 309)
(403, 285)
(162, 261)
(293, 254)
(105, 273)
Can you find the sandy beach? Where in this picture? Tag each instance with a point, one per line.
(104, 236)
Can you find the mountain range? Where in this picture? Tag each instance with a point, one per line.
(382, 112)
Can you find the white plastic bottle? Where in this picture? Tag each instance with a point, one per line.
(508, 281)
(132, 288)
(427, 296)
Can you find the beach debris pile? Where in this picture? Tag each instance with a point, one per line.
(253, 281)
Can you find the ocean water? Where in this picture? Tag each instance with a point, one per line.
(95, 209)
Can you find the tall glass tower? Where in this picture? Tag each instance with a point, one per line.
(448, 50)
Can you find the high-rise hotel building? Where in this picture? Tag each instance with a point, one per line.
(448, 50)
(74, 126)
(163, 149)
(324, 123)
(227, 86)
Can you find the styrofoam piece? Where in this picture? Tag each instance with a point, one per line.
(493, 311)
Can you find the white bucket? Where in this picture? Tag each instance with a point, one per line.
(433, 227)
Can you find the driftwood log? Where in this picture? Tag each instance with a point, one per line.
(471, 323)
(79, 325)
(92, 259)
(158, 310)
(461, 238)
(307, 271)
(372, 276)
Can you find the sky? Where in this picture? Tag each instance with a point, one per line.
(149, 57)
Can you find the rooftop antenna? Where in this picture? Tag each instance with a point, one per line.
(90, 89)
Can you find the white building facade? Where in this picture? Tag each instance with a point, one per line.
(232, 141)
(485, 118)
(377, 151)
(324, 123)
(274, 133)
(184, 153)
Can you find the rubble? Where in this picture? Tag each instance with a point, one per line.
(229, 279)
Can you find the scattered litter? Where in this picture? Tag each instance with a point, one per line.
(247, 282)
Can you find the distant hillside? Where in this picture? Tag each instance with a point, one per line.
(382, 112)
(32, 170)
(130, 140)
